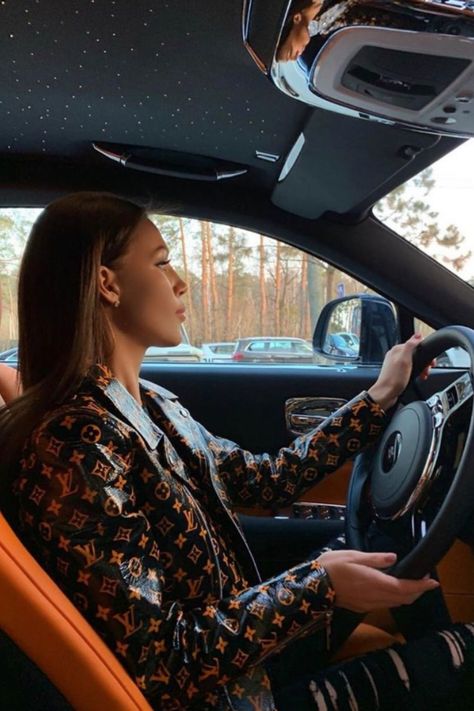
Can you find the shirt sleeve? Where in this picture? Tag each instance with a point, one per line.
(82, 518)
(276, 481)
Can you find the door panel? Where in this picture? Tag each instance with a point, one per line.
(246, 403)
(333, 489)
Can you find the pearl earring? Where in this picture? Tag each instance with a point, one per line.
(117, 303)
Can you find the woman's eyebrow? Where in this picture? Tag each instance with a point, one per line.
(162, 248)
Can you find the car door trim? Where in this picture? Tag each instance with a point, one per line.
(303, 414)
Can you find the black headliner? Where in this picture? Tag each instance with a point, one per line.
(168, 75)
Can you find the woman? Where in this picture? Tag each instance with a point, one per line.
(296, 34)
(310, 18)
(127, 501)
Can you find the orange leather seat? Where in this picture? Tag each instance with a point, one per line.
(366, 638)
(46, 626)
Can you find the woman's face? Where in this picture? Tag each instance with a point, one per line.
(298, 37)
(150, 292)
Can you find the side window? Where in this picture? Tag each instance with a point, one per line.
(280, 345)
(254, 299)
(15, 226)
(250, 299)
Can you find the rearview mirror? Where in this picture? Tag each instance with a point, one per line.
(359, 328)
(399, 63)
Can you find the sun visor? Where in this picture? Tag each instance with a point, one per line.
(403, 63)
(350, 171)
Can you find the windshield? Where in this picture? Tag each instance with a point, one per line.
(433, 211)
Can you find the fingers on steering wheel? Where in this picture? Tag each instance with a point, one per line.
(426, 371)
(412, 589)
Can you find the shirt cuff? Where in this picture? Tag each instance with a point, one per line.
(365, 394)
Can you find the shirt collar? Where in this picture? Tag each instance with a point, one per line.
(102, 377)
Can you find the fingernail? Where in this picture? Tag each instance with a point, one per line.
(391, 556)
(434, 583)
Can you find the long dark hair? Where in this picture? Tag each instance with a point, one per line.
(63, 328)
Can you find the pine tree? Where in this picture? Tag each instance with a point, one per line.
(15, 226)
(408, 212)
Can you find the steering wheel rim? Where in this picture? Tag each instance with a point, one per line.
(459, 501)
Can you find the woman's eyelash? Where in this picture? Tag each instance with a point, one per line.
(163, 264)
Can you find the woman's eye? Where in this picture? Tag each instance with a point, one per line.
(163, 264)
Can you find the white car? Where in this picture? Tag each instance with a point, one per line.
(218, 352)
(183, 353)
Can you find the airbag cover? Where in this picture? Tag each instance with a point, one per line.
(401, 458)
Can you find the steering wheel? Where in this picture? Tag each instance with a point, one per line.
(392, 485)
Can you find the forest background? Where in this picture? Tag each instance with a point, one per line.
(244, 284)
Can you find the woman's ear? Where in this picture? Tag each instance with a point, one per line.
(109, 289)
(297, 17)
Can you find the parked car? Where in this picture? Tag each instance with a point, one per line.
(134, 98)
(351, 339)
(218, 352)
(268, 350)
(342, 344)
(183, 353)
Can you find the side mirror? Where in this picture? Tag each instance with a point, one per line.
(359, 328)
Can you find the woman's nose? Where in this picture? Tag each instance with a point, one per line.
(180, 287)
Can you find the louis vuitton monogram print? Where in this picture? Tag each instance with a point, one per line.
(130, 512)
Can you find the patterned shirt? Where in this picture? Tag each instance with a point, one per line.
(130, 510)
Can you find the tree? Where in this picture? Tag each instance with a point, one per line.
(205, 283)
(314, 288)
(214, 298)
(186, 274)
(407, 211)
(15, 226)
(262, 286)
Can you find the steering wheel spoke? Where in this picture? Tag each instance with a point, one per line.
(418, 525)
(445, 402)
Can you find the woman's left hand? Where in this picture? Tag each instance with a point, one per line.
(395, 373)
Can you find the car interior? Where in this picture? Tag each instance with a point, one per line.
(186, 108)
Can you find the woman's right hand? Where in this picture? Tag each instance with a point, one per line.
(361, 586)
